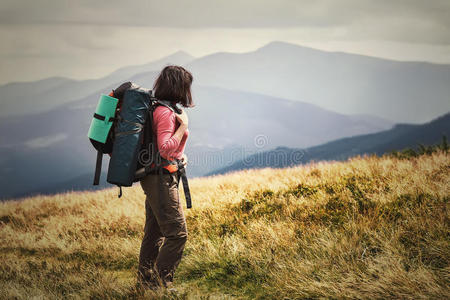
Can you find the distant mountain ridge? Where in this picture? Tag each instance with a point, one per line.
(401, 136)
(413, 92)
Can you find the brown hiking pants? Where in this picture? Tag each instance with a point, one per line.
(165, 230)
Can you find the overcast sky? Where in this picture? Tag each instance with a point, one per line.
(88, 39)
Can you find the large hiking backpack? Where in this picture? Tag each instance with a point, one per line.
(122, 127)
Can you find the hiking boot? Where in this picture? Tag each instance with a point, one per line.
(148, 280)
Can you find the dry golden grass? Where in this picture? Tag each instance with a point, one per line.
(366, 228)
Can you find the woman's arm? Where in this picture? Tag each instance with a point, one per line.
(167, 137)
(183, 120)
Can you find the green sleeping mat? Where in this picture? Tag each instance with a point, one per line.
(103, 118)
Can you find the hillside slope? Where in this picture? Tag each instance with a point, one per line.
(366, 228)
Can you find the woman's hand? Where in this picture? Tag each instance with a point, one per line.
(184, 159)
(182, 118)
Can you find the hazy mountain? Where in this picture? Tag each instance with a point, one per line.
(224, 117)
(401, 136)
(22, 98)
(51, 148)
(347, 83)
(125, 73)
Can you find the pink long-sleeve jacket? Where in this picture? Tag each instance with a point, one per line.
(164, 125)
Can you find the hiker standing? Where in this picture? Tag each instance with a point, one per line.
(165, 230)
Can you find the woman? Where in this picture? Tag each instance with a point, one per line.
(165, 231)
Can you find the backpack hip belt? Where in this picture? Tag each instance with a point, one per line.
(172, 166)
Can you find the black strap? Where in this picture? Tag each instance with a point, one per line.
(102, 118)
(182, 175)
(169, 104)
(128, 132)
(148, 126)
(160, 182)
(120, 192)
(98, 168)
(139, 128)
(187, 192)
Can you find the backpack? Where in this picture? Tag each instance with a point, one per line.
(123, 128)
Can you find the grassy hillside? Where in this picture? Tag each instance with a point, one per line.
(370, 227)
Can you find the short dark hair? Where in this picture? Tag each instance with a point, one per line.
(174, 84)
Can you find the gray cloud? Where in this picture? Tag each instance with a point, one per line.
(399, 20)
(86, 39)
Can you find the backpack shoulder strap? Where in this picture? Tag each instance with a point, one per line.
(167, 104)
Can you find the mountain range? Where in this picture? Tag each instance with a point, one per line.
(400, 137)
(279, 95)
(412, 92)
